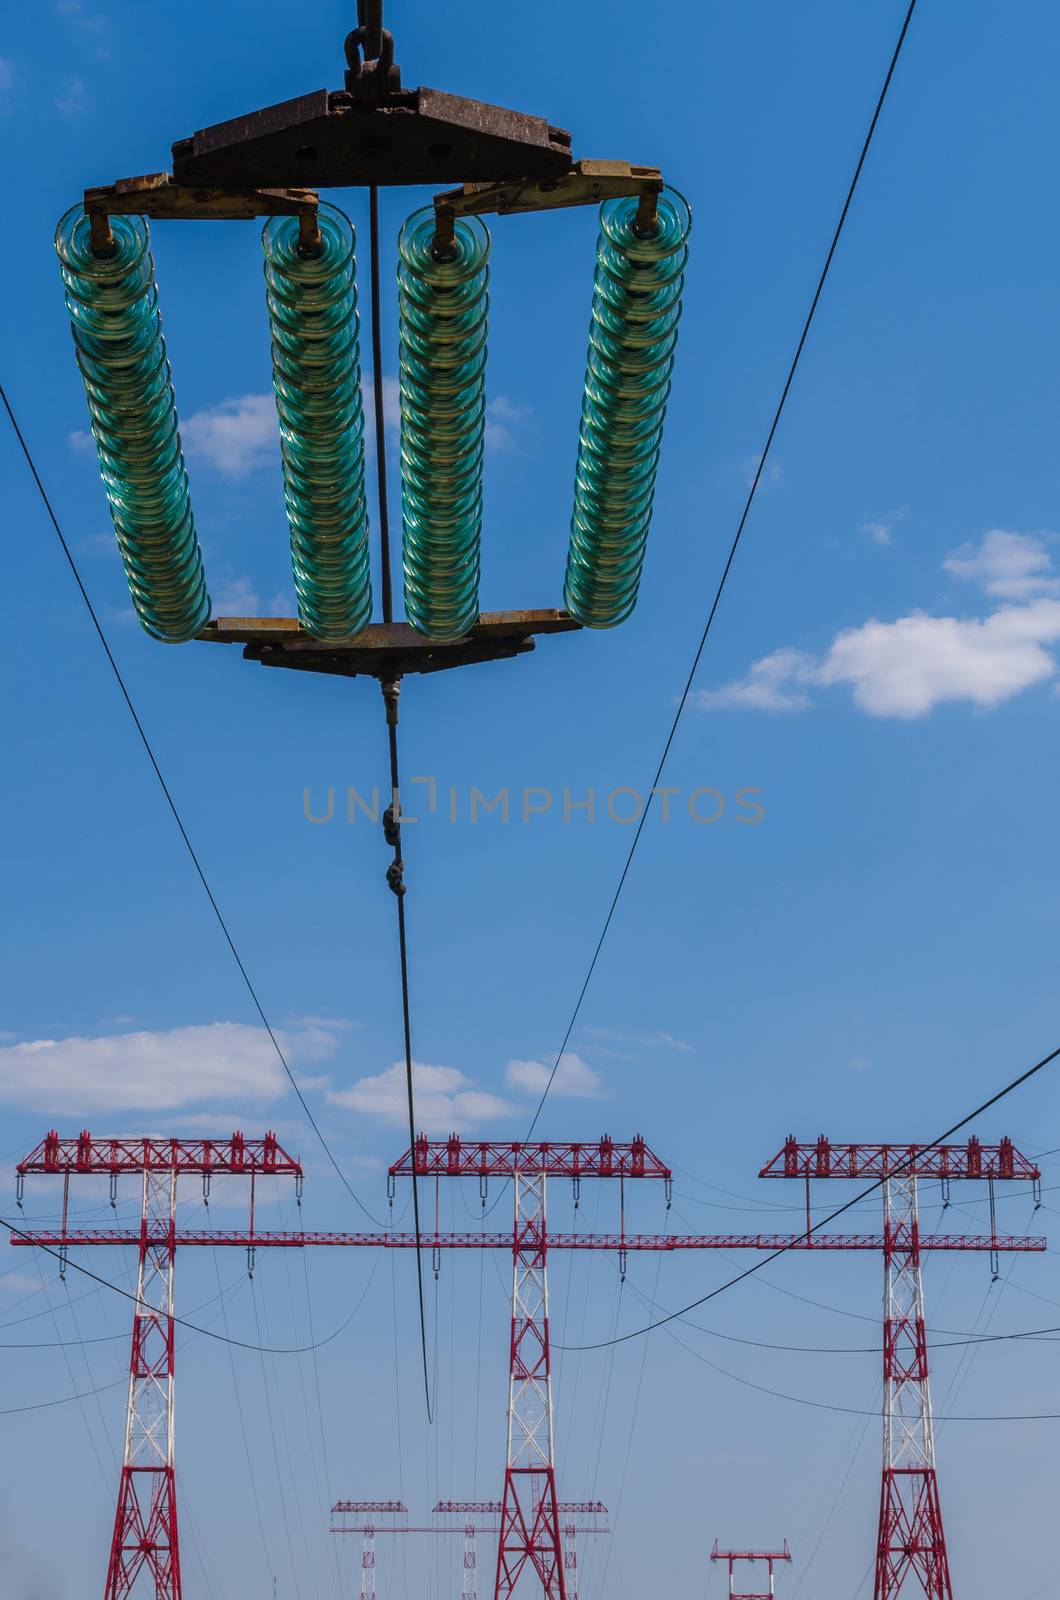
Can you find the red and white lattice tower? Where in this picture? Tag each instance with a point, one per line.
(568, 1510)
(570, 1557)
(145, 1524)
(529, 1509)
(145, 1548)
(530, 1525)
(732, 1557)
(369, 1510)
(910, 1542)
(469, 1590)
(911, 1537)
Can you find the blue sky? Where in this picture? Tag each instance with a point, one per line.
(870, 958)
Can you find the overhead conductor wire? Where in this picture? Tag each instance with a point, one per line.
(170, 802)
(391, 688)
(730, 559)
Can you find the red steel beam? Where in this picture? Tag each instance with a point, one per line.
(824, 1159)
(493, 1507)
(58, 1238)
(459, 1158)
(357, 1506)
(86, 1154)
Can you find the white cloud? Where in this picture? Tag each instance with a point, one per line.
(907, 667)
(237, 436)
(660, 1040)
(879, 532)
(155, 1071)
(445, 1099)
(74, 98)
(772, 684)
(90, 22)
(772, 474)
(391, 410)
(20, 1283)
(575, 1079)
(504, 418)
(236, 597)
(1012, 566)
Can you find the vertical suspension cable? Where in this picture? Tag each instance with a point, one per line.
(392, 821)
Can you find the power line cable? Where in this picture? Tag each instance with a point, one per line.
(182, 1322)
(171, 803)
(726, 570)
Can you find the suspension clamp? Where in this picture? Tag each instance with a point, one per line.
(395, 876)
(392, 827)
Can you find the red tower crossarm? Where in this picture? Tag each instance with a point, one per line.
(87, 1155)
(825, 1159)
(465, 1158)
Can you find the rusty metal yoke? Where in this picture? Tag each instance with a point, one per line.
(385, 651)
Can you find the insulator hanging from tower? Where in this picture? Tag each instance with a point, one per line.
(113, 303)
(316, 370)
(443, 303)
(632, 337)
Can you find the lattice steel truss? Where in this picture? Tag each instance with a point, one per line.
(910, 1541)
(145, 1523)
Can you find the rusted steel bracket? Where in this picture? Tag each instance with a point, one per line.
(157, 195)
(587, 183)
(385, 651)
(332, 139)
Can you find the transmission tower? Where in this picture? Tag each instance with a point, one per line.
(529, 1244)
(910, 1540)
(732, 1557)
(530, 1525)
(370, 1510)
(145, 1547)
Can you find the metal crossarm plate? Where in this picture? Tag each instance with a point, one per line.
(385, 650)
(329, 140)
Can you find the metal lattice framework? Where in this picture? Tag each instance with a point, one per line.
(529, 1512)
(530, 1518)
(910, 1543)
(145, 1547)
(468, 1512)
(733, 1557)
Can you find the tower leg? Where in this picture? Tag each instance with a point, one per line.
(570, 1558)
(145, 1526)
(368, 1563)
(470, 1589)
(529, 1513)
(911, 1543)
